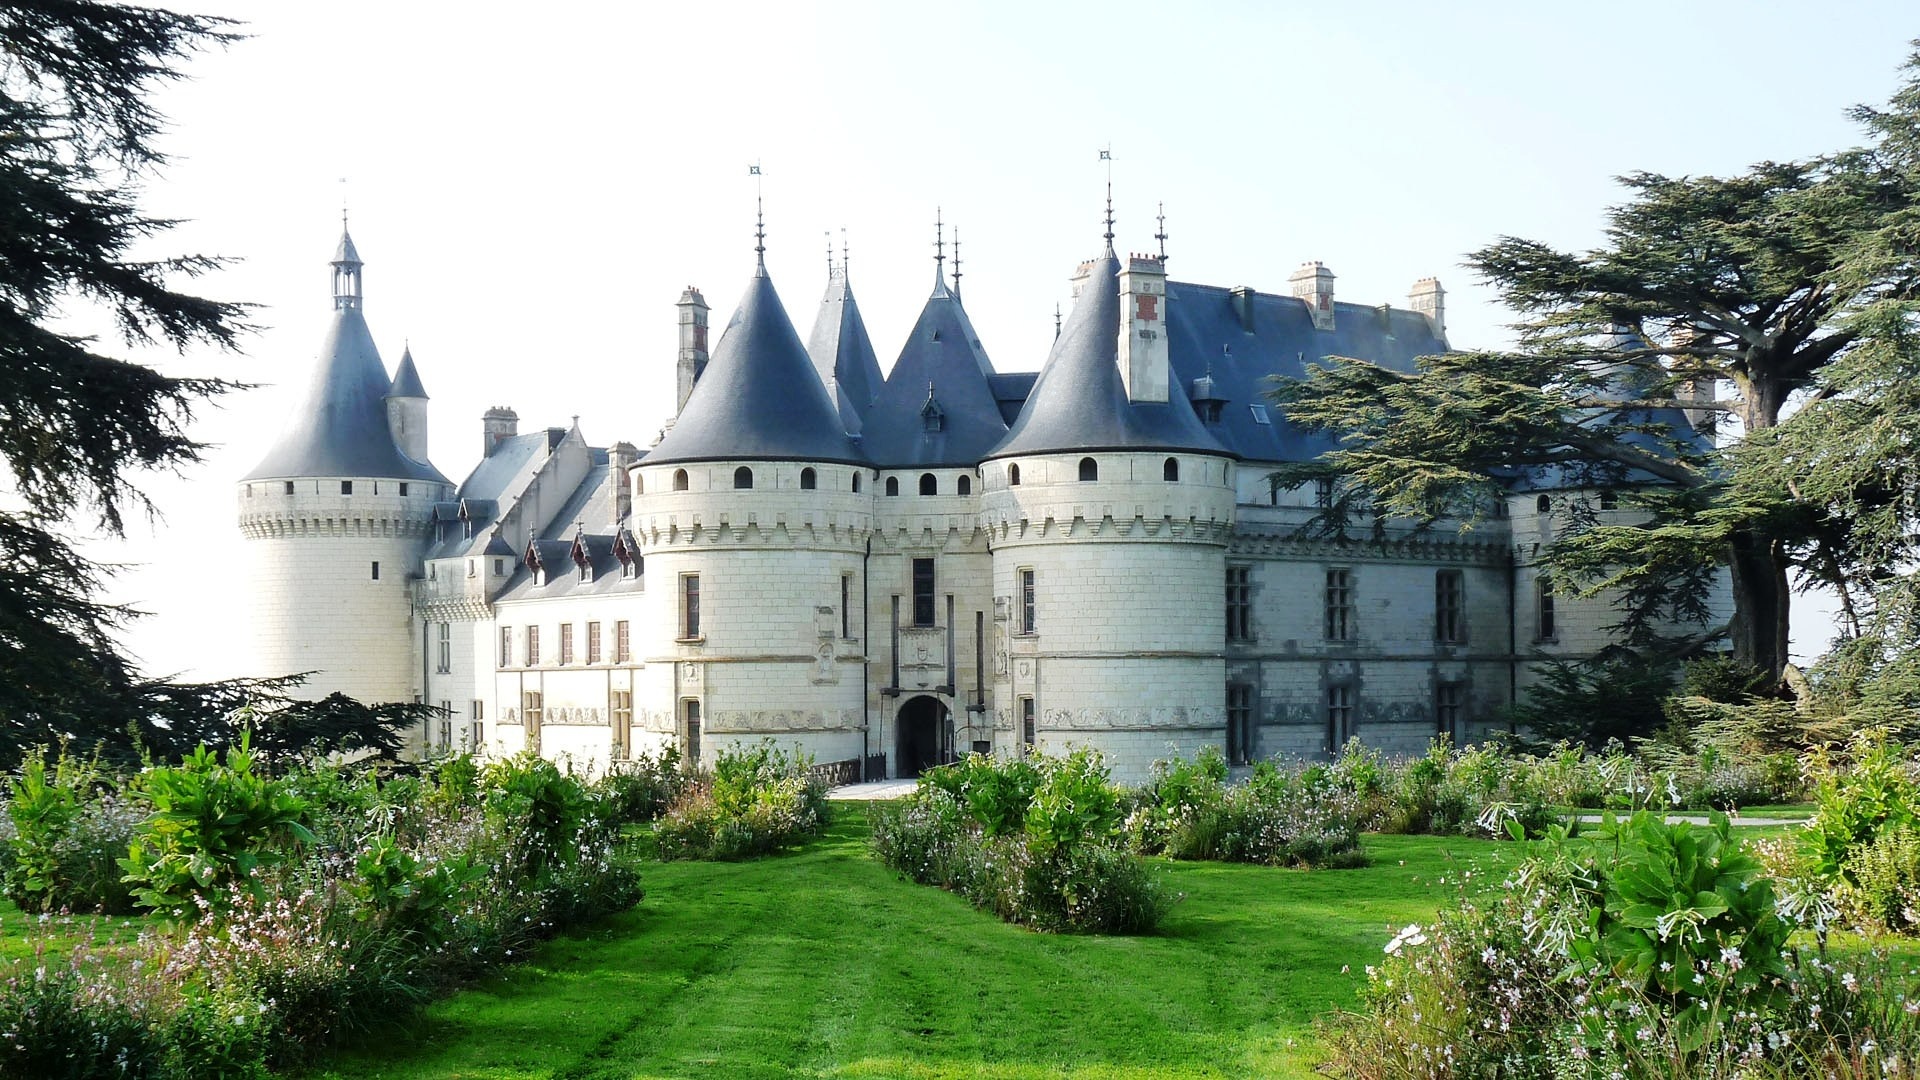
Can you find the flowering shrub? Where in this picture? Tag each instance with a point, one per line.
(1661, 954)
(407, 888)
(1033, 840)
(1874, 789)
(642, 788)
(1299, 817)
(757, 801)
(69, 834)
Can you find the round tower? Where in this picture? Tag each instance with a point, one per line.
(1108, 507)
(752, 515)
(338, 518)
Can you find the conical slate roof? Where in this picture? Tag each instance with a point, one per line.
(843, 353)
(406, 381)
(1079, 402)
(941, 362)
(340, 429)
(760, 398)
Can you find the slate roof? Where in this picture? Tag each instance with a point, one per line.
(760, 398)
(340, 427)
(842, 352)
(406, 381)
(583, 511)
(942, 361)
(499, 479)
(1079, 403)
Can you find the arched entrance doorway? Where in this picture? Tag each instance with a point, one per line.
(925, 736)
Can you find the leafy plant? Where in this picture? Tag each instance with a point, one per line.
(212, 825)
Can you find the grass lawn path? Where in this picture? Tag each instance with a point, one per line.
(823, 963)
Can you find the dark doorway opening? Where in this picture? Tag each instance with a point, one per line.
(926, 736)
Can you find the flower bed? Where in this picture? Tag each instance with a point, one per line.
(757, 801)
(1034, 840)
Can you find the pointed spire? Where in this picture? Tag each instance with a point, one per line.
(939, 244)
(1056, 320)
(829, 236)
(843, 249)
(406, 380)
(347, 280)
(1109, 218)
(1161, 236)
(956, 260)
(759, 233)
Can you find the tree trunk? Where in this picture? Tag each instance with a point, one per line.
(1760, 602)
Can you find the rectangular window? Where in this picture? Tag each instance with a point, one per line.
(533, 646)
(403, 489)
(689, 605)
(506, 646)
(923, 592)
(1449, 700)
(691, 710)
(346, 487)
(1239, 723)
(846, 593)
(1545, 592)
(1339, 717)
(1323, 492)
(376, 571)
(1239, 603)
(622, 711)
(531, 712)
(1027, 732)
(1029, 609)
(621, 652)
(566, 643)
(470, 567)
(445, 658)
(446, 725)
(593, 643)
(479, 710)
(1339, 622)
(1449, 607)
(289, 487)
(476, 736)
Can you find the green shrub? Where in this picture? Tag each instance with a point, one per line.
(642, 788)
(1879, 887)
(1874, 790)
(921, 835)
(69, 834)
(1074, 804)
(757, 801)
(995, 791)
(548, 805)
(212, 825)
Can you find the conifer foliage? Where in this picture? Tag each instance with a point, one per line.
(1791, 286)
(78, 137)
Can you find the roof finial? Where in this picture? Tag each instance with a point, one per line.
(829, 236)
(939, 242)
(1106, 155)
(956, 258)
(843, 249)
(1162, 234)
(1056, 319)
(759, 220)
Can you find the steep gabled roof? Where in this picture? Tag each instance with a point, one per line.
(938, 406)
(340, 429)
(842, 352)
(1079, 403)
(760, 398)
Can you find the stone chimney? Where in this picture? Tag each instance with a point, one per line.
(496, 425)
(1313, 283)
(1429, 299)
(693, 346)
(1143, 329)
(1079, 279)
(621, 458)
(1241, 297)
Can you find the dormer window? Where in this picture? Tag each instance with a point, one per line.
(582, 558)
(932, 416)
(628, 552)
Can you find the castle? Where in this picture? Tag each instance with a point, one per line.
(891, 570)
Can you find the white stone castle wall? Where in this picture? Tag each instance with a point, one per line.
(312, 601)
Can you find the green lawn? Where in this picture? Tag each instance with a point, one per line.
(823, 963)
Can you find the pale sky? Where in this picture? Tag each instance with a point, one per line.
(531, 187)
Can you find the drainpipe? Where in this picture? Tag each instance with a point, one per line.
(1513, 634)
(426, 692)
(866, 664)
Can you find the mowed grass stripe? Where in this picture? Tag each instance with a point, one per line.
(823, 963)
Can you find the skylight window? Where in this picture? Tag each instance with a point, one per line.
(1260, 414)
